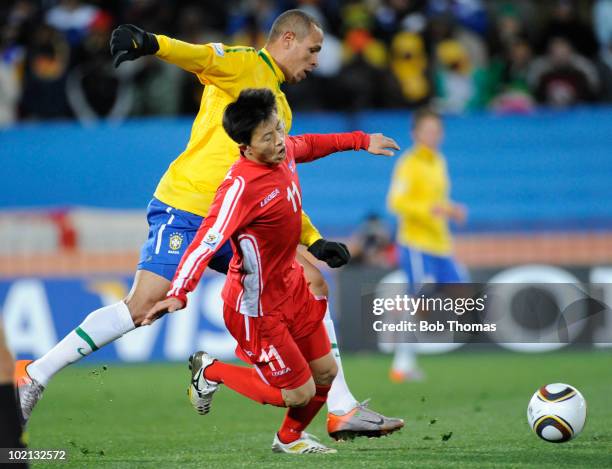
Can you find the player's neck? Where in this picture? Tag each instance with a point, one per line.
(277, 54)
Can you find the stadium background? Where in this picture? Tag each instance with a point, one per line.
(82, 146)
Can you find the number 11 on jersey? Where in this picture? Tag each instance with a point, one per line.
(293, 193)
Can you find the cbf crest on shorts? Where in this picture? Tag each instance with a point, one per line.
(176, 241)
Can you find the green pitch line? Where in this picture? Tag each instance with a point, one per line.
(470, 413)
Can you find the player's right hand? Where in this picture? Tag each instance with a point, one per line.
(128, 42)
(169, 305)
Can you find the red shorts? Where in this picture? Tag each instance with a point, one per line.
(281, 343)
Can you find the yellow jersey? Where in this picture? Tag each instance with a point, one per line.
(419, 183)
(192, 179)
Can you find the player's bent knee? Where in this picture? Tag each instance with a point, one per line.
(299, 397)
(326, 376)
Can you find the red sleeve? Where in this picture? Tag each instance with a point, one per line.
(228, 212)
(309, 147)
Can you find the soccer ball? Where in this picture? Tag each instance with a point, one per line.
(557, 412)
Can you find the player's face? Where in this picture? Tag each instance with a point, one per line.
(429, 132)
(304, 56)
(267, 142)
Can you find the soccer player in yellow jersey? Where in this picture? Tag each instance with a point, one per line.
(185, 192)
(419, 197)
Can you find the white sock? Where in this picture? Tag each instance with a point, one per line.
(98, 329)
(339, 400)
(404, 359)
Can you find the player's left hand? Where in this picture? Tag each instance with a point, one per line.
(458, 213)
(169, 305)
(332, 253)
(381, 145)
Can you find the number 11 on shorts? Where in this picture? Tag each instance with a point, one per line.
(270, 356)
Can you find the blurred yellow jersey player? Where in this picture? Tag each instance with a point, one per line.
(419, 197)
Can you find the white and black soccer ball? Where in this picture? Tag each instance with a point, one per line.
(557, 412)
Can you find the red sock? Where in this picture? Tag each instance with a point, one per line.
(244, 381)
(298, 418)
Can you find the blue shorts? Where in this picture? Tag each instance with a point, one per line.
(422, 268)
(170, 232)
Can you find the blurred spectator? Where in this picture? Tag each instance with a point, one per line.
(602, 19)
(400, 15)
(470, 14)
(46, 68)
(513, 93)
(371, 244)
(509, 27)
(410, 67)
(376, 54)
(72, 18)
(11, 62)
(566, 23)
(362, 78)
(602, 22)
(459, 85)
(562, 77)
(442, 27)
(192, 23)
(93, 88)
(249, 23)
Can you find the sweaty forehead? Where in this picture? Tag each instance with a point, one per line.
(269, 125)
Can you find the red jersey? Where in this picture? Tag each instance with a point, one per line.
(258, 207)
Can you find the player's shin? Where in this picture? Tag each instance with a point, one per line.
(340, 399)
(298, 418)
(244, 381)
(99, 328)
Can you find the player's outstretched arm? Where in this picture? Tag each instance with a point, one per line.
(208, 61)
(128, 42)
(309, 147)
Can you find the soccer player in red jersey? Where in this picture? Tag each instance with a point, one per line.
(268, 308)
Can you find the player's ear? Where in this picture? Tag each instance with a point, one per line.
(243, 149)
(288, 38)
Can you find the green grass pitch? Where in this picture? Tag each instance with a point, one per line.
(470, 412)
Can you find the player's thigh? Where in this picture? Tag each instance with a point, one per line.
(148, 288)
(316, 350)
(316, 282)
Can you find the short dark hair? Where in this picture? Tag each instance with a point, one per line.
(242, 117)
(296, 21)
(424, 113)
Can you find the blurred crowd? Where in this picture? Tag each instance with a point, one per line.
(457, 55)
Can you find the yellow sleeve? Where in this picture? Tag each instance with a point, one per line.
(213, 63)
(405, 197)
(309, 233)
